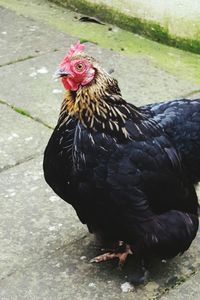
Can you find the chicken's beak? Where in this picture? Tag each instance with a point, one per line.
(60, 73)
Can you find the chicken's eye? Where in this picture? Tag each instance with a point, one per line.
(79, 67)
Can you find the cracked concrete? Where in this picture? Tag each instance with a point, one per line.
(44, 249)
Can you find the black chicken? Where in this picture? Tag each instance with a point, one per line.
(127, 171)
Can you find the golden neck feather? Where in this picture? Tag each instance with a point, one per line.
(98, 106)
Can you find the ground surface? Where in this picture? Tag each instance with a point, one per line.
(44, 249)
(170, 22)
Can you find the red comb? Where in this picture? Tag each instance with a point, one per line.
(74, 49)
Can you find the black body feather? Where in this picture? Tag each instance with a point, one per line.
(135, 184)
(180, 120)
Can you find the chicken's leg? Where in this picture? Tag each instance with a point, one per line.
(121, 255)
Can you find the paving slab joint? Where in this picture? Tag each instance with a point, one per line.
(25, 58)
(18, 60)
(177, 282)
(33, 262)
(25, 113)
(19, 162)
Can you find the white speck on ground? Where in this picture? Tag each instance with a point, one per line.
(35, 177)
(83, 257)
(33, 28)
(12, 194)
(58, 265)
(53, 198)
(34, 188)
(56, 91)
(92, 285)
(33, 74)
(126, 287)
(52, 228)
(15, 134)
(10, 138)
(42, 70)
(28, 138)
(115, 29)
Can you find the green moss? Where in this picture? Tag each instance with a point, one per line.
(17, 109)
(183, 64)
(192, 93)
(21, 111)
(148, 29)
(83, 41)
(24, 113)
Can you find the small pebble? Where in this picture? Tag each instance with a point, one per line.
(126, 287)
(83, 257)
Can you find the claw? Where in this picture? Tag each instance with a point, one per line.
(104, 257)
(122, 256)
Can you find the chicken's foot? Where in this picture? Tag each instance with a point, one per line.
(122, 256)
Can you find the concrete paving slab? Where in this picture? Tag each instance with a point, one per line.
(34, 221)
(21, 38)
(21, 138)
(186, 291)
(68, 274)
(35, 90)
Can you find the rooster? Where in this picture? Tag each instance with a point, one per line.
(120, 166)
